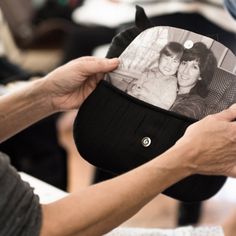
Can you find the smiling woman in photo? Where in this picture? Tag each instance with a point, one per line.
(194, 75)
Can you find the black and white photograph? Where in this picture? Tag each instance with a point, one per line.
(178, 70)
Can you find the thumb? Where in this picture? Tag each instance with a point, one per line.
(232, 173)
(93, 65)
(228, 114)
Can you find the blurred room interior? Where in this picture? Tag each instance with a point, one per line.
(36, 36)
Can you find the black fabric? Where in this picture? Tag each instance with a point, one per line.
(189, 213)
(118, 45)
(10, 72)
(55, 9)
(36, 151)
(82, 40)
(112, 141)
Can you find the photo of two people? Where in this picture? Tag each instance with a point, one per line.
(178, 70)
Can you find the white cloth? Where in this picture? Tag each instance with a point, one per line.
(182, 231)
(104, 12)
(228, 192)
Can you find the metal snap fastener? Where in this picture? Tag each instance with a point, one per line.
(188, 44)
(146, 141)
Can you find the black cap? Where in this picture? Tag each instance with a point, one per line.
(113, 141)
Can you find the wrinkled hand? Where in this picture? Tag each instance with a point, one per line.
(213, 144)
(69, 85)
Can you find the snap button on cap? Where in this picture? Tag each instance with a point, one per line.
(146, 141)
(188, 44)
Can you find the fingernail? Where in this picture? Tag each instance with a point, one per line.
(113, 60)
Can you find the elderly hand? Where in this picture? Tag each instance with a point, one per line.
(212, 141)
(63, 89)
(69, 85)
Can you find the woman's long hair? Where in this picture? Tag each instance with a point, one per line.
(207, 64)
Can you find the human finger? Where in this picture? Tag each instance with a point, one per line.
(228, 114)
(92, 65)
(232, 173)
